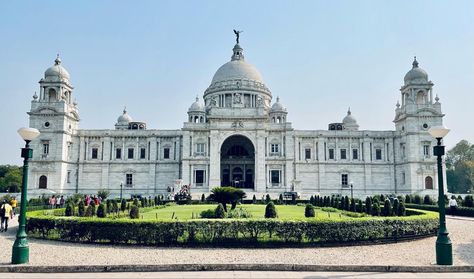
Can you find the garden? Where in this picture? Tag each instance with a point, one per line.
(226, 218)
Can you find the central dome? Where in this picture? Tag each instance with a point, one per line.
(237, 69)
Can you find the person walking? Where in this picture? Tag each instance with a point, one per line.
(453, 204)
(14, 204)
(7, 214)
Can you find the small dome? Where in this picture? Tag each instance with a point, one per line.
(416, 74)
(196, 106)
(349, 119)
(124, 119)
(56, 72)
(277, 106)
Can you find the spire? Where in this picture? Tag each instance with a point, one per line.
(349, 111)
(57, 61)
(35, 97)
(398, 104)
(197, 98)
(278, 99)
(437, 98)
(415, 63)
(124, 109)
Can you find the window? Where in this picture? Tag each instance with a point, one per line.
(95, 152)
(343, 154)
(68, 177)
(275, 177)
(331, 154)
(355, 154)
(426, 150)
(429, 183)
(129, 179)
(130, 153)
(200, 148)
(43, 182)
(274, 148)
(46, 148)
(142, 153)
(403, 178)
(307, 153)
(199, 177)
(166, 153)
(344, 180)
(378, 154)
(118, 153)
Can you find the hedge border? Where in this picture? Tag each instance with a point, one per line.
(232, 232)
(460, 211)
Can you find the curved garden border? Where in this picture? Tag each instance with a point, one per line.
(233, 232)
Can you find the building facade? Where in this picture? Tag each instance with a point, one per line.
(238, 136)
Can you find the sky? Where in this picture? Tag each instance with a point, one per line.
(155, 57)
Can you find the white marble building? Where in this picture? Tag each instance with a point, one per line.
(240, 136)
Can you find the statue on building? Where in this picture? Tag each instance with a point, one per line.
(237, 98)
(237, 34)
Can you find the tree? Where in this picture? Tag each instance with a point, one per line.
(227, 195)
(460, 167)
(103, 194)
(368, 205)
(101, 211)
(10, 178)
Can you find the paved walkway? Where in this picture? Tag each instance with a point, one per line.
(413, 253)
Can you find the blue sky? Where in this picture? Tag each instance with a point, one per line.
(320, 57)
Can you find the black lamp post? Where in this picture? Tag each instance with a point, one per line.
(121, 190)
(444, 249)
(352, 191)
(21, 250)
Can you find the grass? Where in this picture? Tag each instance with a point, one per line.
(285, 212)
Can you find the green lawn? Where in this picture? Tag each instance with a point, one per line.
(285, 212)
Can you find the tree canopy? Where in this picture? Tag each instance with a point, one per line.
(460, 167)
(10, 178)
(226, 195)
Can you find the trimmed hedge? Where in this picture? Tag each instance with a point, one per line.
(229, 231)
(460, 211)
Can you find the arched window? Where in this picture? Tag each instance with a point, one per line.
(420, 97)
(429, 183)
(52, 95)
(43, 182)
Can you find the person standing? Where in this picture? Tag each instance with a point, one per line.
(58, 202)
(62, 201)
(7, 211)
(453, 204)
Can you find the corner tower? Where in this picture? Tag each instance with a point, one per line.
(56, 116)
(417, 112)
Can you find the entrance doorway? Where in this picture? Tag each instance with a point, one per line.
(238, 162)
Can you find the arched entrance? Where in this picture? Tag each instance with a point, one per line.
(238, 162)
(43, 182)
(429, 183)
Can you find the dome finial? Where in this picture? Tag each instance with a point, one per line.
(197, 98)
(349, 111)
(398, 104)
(237, 35)
(415, 63)
(437, 98)
(57, 61)
(35, 97)
(278, 99)
(124, 109)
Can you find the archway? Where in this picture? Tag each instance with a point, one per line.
(43, 182)
(238, 162)
(429, 183)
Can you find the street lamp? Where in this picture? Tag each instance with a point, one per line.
(352, 193)
(21, 250)
(444, 249)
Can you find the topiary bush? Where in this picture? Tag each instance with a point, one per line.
(353, 205)
(427, 200)
(267, 198)
(203, 198)
(115, 207)
(135, 202)
(219, 211)
(81, 209)
(69, 209)
(90, 211)
(417, 199)
(387, 208)
(368, 205)
(208, 214)
(123, 205)
(360, 207)
(254, 199)
(270, 211)
(109, 206)
(395, 206)
(134, 212)
(401, 209)
(468, 201)
(280, 199)
(375, 211)
(101, 211)
(407, 199)
(309, 211)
